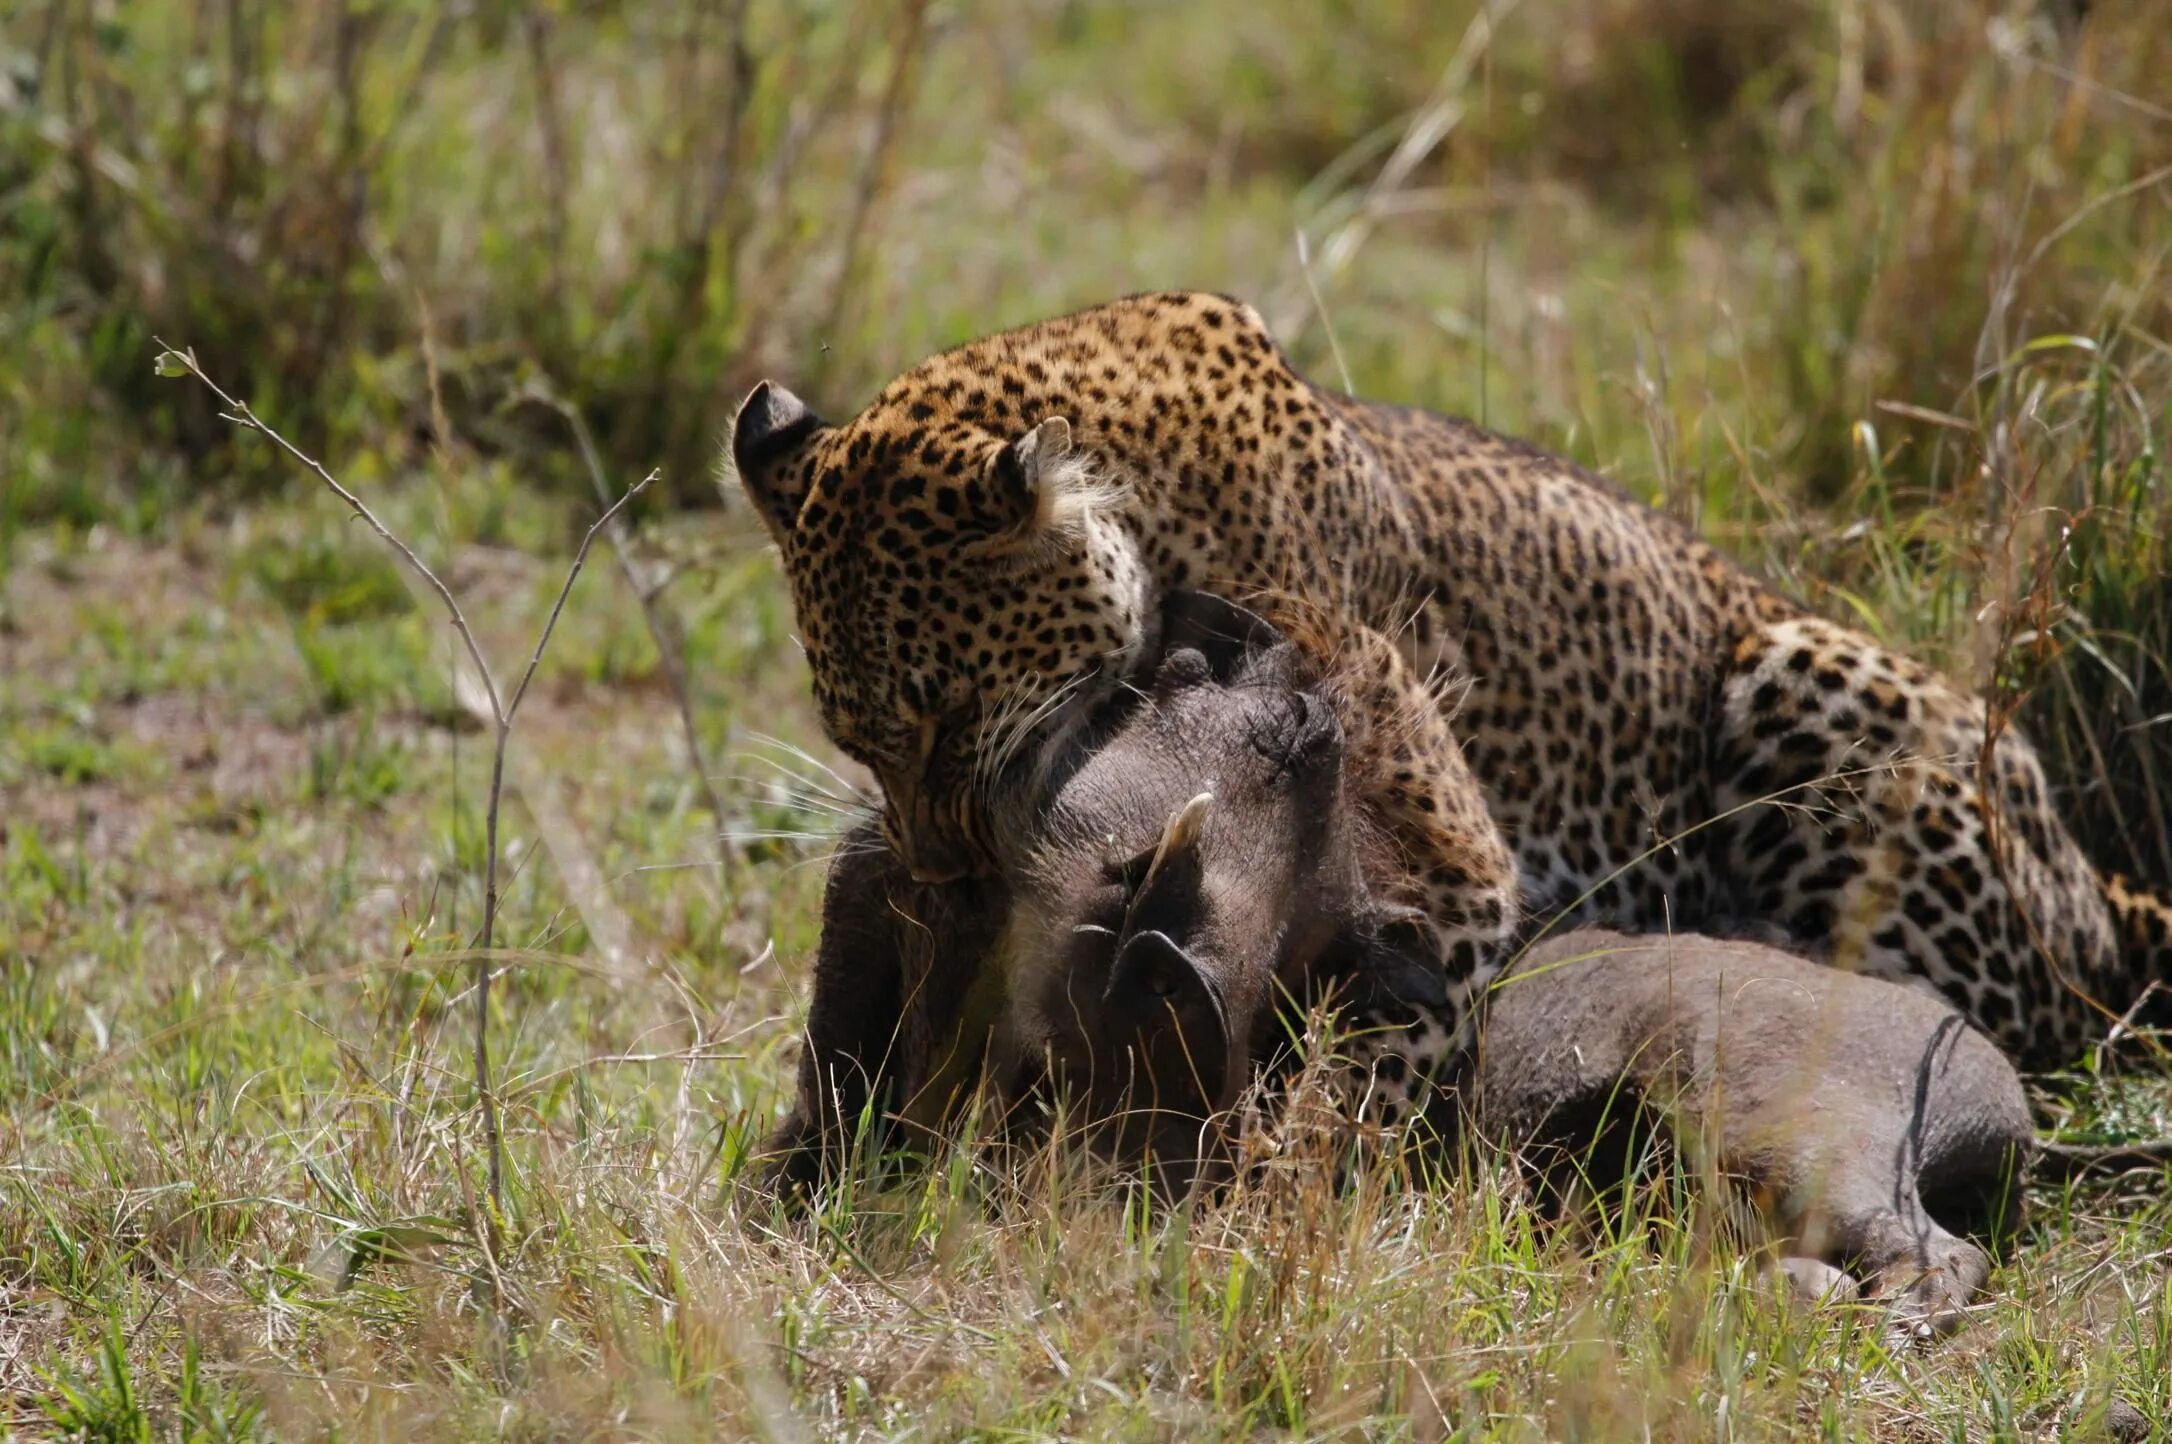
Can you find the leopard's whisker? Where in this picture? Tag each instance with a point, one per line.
(849, 791)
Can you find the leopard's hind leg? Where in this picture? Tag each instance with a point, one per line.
(1859, 811)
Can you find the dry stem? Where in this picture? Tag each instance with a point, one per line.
(664, 631)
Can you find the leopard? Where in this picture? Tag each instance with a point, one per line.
(1661, 737)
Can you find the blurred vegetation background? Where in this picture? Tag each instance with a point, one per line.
(1875, 292)
(1901, 263)
(1878, 293)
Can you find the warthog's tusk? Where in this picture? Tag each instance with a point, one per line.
(1182, 829)
(1177, 834)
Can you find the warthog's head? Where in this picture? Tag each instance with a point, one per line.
(1193, 862)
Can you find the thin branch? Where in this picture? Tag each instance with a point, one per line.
(490, 837)
(238, 412)
(484, 1094)
(176, 363)
(580, 559)
(898, 94)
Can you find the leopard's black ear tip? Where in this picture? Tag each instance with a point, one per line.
(771, 422)
(771, 426)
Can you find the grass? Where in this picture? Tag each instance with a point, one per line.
(1874, 294)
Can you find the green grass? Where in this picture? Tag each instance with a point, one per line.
(1869, 292)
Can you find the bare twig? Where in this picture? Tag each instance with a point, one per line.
(550, 121)
(502, 712)
(867, 193)
(580, 557)
(239, 413)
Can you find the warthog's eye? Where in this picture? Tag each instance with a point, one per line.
(1127, 872)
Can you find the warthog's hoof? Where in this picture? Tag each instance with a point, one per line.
(1927, 1304)
(1815, 1282)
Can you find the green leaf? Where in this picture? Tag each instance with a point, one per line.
(172, 363)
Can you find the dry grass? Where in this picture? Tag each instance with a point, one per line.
(1875, 293)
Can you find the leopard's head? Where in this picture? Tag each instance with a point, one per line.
(965, 585)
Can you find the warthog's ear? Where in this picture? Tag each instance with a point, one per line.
(772, 428)
(1225, 633)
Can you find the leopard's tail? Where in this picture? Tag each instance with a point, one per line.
(2143, 915)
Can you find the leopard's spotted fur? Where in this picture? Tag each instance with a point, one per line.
(1662, 739)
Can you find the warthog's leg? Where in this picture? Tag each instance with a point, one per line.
(1925, 1276)
(888, 1041)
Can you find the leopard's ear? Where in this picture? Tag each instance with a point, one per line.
(772, 428)
(1037, 488)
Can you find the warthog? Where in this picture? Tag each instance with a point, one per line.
(1194, 872)
(1135, 948)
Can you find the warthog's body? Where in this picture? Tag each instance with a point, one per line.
(1140, 941)
(1852, 1109)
